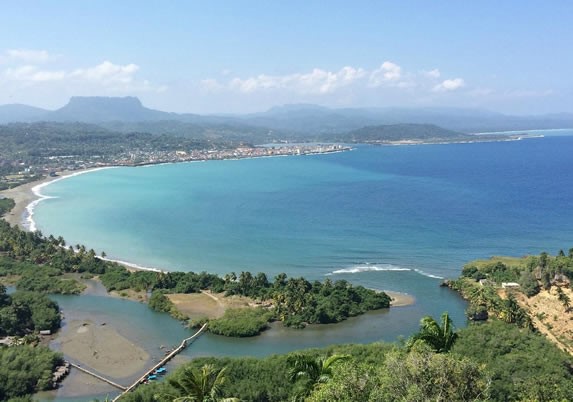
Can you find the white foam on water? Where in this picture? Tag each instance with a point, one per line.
(427, 274)
(368, 268)
(29, 222)
(132, 265)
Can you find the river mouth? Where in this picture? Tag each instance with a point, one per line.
(152, 334)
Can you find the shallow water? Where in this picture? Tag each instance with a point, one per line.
(151, 330)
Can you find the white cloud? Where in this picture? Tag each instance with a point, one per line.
(435, 73)
(387, 72)
(32, 74)
(450, 85)
(25, 56)
(106, 76)
(210, 85)
(317, 81)
(389, 76)
(107, 73)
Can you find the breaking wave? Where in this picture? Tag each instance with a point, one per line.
(366, 267)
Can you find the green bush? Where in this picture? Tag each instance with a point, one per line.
(6, 205)
(22, 312)
(241, 322)
(524, 365)
(26, 370)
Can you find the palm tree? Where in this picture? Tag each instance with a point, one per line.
(314, 370)
(200, 385)
(441, 338)
(509, 311)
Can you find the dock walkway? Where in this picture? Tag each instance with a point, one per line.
(99, 377)
(170, 356)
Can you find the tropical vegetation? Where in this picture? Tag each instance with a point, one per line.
(487, 361)
(241, 322)
(26, 369)
(36, 262)
(312, 371)
(199, 385)
(491, 286)
(25, 312)
(440, 338)
(6, 205)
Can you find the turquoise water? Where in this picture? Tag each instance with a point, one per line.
(427, 208)
(392, 218)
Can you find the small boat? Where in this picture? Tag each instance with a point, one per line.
(152, 377)
(160, 371)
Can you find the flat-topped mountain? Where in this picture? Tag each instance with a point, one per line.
(97, 109)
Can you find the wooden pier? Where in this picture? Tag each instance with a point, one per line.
(99, 377)
(170, 356)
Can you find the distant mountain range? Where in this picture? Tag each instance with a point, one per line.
(302, 121)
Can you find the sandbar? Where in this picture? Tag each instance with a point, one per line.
(102, 348)
(400, 299)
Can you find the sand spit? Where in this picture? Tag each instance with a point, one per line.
(101, 348)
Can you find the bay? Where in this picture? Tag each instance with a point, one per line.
(428, 208)
(393, 218)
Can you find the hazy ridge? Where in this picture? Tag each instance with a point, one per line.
(304, 121)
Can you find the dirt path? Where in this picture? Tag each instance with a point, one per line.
(207, 304)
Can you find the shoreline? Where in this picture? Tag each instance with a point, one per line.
(400, 299)
(23, 196)
(27, 196)
(468, 141)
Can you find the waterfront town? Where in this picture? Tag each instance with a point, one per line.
(50, 166)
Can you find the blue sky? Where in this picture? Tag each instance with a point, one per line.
(246, 56)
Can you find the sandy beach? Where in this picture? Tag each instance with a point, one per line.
(22, 196)
(400, 299)
(102, 348)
